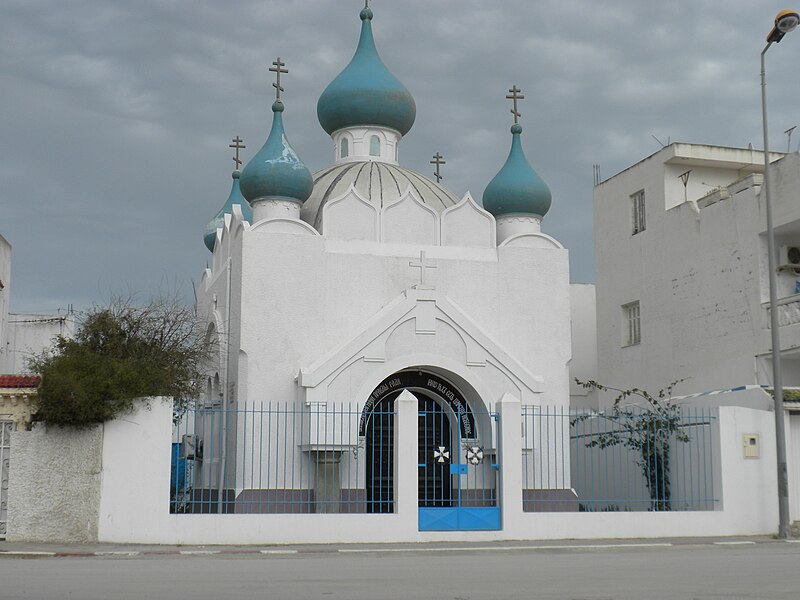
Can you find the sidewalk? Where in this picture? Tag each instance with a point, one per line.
(44, 550)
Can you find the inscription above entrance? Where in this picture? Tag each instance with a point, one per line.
(431, 385)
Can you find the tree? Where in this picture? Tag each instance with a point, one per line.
(121, 352)
(647, 430)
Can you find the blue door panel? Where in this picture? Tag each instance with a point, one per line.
(459, 519)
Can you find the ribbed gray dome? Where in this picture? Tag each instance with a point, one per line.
(378, 182)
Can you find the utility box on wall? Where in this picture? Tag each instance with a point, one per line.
(752, 447)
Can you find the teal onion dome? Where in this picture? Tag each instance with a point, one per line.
(517, 188)
(219, 221)
(366, 93)
(276, 172)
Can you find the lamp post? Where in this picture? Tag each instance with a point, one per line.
(785, 21)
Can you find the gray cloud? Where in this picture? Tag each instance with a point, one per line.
(117, 115)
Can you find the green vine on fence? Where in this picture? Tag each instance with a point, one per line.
(646, 424)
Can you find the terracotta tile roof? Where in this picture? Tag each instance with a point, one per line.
(20, 381)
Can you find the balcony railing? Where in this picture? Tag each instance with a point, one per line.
(788, 311)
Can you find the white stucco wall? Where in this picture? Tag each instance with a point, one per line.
(296, 297)
(583, 366)
(135, 494)
(698, 272)
(30, 334)
(54, 484)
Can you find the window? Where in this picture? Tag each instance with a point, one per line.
(344, 148)
(631, 324)
(374, 146)
(637, 212)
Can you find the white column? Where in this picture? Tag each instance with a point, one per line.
(510, 461)
(406, 459)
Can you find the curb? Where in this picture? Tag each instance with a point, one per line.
(279, 552)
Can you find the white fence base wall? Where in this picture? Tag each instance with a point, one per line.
(134, 506)
(54, 484)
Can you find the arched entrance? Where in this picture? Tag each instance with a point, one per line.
(452, 473)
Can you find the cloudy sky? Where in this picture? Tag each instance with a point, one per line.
(115, 116)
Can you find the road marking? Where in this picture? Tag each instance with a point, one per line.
(502, 548)
(278, 551)
(792, 541)
(24, 553)
(736, 543)
(198, 552)
(116, 553)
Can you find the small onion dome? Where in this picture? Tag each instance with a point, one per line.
(276, 172)
(366, 93)
(517, 188)
(219, 221)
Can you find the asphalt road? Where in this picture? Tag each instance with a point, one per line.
(763, 570)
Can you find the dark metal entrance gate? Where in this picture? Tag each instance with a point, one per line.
(458, 467)
(458, 473)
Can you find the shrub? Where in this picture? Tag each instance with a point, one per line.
(121, 352)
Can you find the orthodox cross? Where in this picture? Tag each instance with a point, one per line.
(366, 3)
(422, 265)
(237, 144)
(437, 160)
(515, 95)
(278, 69)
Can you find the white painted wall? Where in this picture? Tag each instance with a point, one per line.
(24, 335)
(291, 302)
(793, 463)
(30, 334)
(54, 484)
(583, 366)
(135, 494)
(698, 272)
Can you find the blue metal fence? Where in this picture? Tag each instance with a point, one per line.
(283, 458)
(339, 458)
(628, 459)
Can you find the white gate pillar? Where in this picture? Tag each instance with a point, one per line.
(406, 458)
(510, 448)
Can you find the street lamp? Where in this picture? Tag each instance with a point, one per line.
(785, 21)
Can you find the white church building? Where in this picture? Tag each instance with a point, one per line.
(392, 362)
(367, 282)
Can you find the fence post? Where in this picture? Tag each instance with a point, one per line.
(510, 448)
(406, 457)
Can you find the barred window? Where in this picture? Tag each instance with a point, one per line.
(631, 324)
(637, 212)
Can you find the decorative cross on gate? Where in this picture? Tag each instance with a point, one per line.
(422, 265)
(237, 144)
(441, 454)
(278, 70)
(437, 160)
(514, 95)
(475, 455)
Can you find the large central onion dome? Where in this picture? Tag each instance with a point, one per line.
(365, 93)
